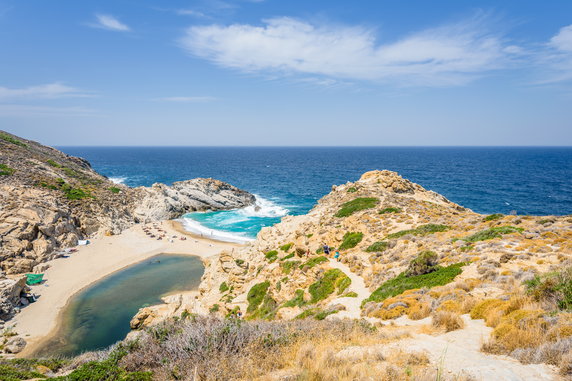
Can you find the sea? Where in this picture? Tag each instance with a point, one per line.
(290, 180)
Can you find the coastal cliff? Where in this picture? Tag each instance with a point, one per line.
(50, 200)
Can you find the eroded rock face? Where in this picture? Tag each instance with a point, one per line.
(10, 290)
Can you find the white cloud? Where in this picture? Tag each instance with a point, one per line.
(199, 99)
(448, 55)
(563, 40)
(47, 91)
(191, 12)
(110, 23)
(11, 110)
(555, 61)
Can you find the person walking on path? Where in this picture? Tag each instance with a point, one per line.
(337, 255)
(326, 250)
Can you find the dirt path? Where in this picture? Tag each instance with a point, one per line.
(353, 310)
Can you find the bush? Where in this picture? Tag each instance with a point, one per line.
(53, 163)
(401, 283)
(553, 288)
(352, 190)
(492, 233)
(115, 190)
(223, 287)
(314, 261)
(390, 210)
(378, 246)
(287, 266)
(351, 240)
(286, 247)
(297, 300)
(106, 370)
(420, 230)
(256, 295)
(351, 294)
(450, 321)
(425, 263)
(360, 203)
(271, 256)
(493, 217)
(267, 310)
(6, 171)
(291, 255)
(324, 287)
(9, 139)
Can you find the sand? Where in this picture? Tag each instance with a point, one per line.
(105, 255)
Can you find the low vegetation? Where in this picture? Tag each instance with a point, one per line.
(552, 289)
(313, 262)
(9, 139)
(390, 210)
(6, 170)
(333, 279)
(54, 164)
(288, 266)
(420, 230)
(377, 247)
(493, 217)
(351, 240)
(256, 295)
(286, 247)
(114, 189)
(69, 191)
(271, 255)
(496, 232)
(360, 203)
(297, 300)
(425, 263)
(401, 283)
(447, 320)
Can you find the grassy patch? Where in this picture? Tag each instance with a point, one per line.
(6, 171)
(351, 294)
(425, 263)
(256, 295)
(492, 233)
(352, 190)
(332, 280)
(271, 256)
(360, 203)
(297, 300)
(378, 246)
(390, 210)
(420, 230)
(286, 247)
(223, 287)
(351, 240)
(400, 283)
(553, 287)
(114, 190)
(314, 261)
(493, 217)
(239, 262)
(291, 255)
(9, 139)
(287, 266)
(267, 310)
(54, 164)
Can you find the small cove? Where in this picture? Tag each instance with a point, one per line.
(99, 315)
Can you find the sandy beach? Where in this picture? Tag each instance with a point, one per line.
(103, 256)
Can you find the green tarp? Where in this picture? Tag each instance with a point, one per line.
(34, 278)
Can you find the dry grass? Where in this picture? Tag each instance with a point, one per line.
(447, 320)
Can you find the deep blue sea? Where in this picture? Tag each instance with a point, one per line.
(534, 181)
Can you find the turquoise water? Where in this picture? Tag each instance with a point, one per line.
(289, 180)
(99, 315)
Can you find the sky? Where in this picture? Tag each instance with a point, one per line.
(287, 72)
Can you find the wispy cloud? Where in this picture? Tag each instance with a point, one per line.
(556, 60)
(191, 12)
(12, 110)
(47, 91)
(200, 99)
(448, 55)
(109, 22)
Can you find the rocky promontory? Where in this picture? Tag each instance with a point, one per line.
(50, 200)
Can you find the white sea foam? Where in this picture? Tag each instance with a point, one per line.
(263, 208)
(196, 228)
(118, 180)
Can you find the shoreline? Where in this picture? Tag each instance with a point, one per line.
(41, 321)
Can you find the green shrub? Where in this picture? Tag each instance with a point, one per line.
(291, 255)
(324, 313)
(492, 217)
(307, 313)
(6, 171)
(287, 266)
(343, 284)
(390, 210)
(351, 240)
(425, 263)
(352, 190)
(467, 248)
(267, 310)
(320, 250)
(9, 139)
(378, 246)
(75, 193)
(360, 203)
(214, 308)
(351, 294)
(70, 172)
(10, 373)
(53, 163)
(286, 247)
(555, 287)
(325, 286)
(271, 256)
(297, 300)
(223, 287)
(400, 283)
(314, 261)
(115, 189)
(492, 233)
(420, 230)
(255, 295)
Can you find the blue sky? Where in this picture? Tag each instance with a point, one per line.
(288, 72)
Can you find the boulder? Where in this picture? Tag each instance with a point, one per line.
(15, 345)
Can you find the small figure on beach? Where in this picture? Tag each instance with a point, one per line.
(308, 253)
(326, 249)
(337, 256)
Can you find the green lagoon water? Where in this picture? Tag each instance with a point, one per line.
(99, 315)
